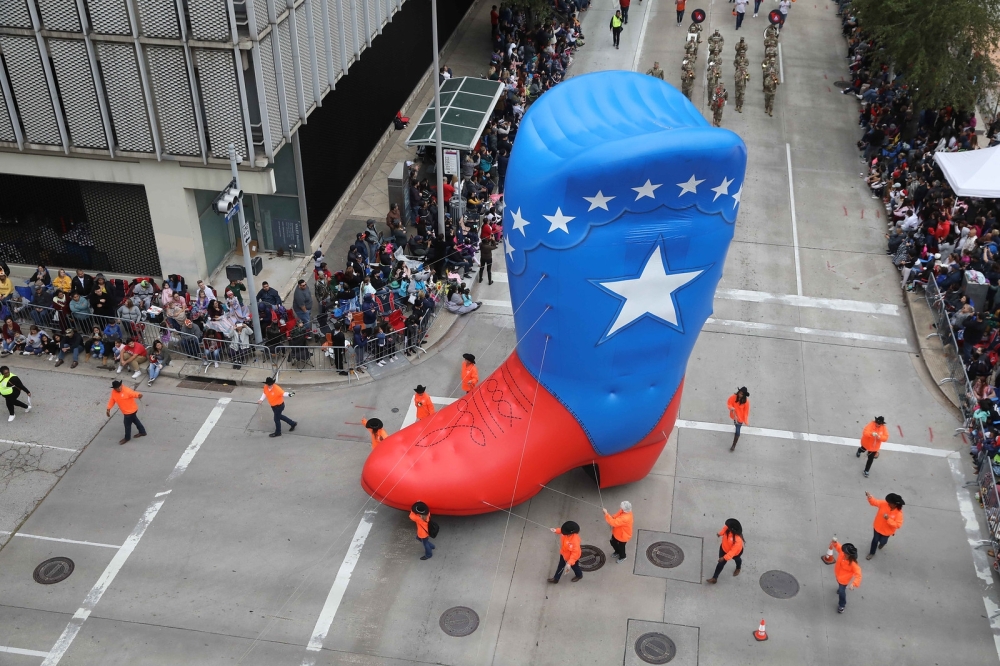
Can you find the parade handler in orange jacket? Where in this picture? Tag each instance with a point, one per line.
(621, 530)
(888, 519)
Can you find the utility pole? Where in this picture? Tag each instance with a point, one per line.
(439, 166)
(235, 196)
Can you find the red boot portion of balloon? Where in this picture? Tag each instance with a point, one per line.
(494, 448)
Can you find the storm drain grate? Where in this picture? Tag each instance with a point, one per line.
(779, 584)
(665, 555)
(459, 621)
(655, 648)
(211, 385)
(842, 84)
(54, 570)
(591, 558)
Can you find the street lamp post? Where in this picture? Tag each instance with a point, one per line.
(245, 241)
(439, 168)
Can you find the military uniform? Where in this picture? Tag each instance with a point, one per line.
(770, 86)
(718, 102)
(742, 76)
(741, 46)
(687, 79)
(714, 74)
(741, 61)
(655, 72)
(696, 28)
(716, 39)
(691, 49)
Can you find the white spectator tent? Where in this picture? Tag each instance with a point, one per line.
(972, 173)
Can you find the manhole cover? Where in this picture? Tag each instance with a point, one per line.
(665, 555)
(655, 648)
(459, 621)
(53, 571)
(842, 84)
(779, 584)
(591, 558)
(395, 409)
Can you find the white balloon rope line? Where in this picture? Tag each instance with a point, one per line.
(517, 477)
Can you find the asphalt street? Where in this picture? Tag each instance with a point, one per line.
(209, 543)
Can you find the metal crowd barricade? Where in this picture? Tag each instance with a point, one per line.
(958, 378)
(147, 332)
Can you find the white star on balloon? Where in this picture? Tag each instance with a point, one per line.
(736, 197)
(690, 186)
(722, 189)
(519, 222)
(509, 249)
(652, 293)
(598, 201)
(646, 190)
(558, 221)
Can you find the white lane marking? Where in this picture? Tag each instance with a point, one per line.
(41, 446)
(199, 439)
(74, 541)
(165, 492)
(642, 35)
(807, 301)
(339, 587)
(118, 561)
(795, 300)
(781, 67)
(795, 226)
(846, 335)
(411, 413)
(810, 437)
(979, 559)
(26, 653)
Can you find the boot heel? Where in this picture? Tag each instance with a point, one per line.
(628, 466)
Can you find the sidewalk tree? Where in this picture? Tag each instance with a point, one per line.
(942, 47)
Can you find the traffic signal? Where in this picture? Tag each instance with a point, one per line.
(227, 199)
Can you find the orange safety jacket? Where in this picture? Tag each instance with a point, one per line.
(425, 406)
(844, 570)
(470, 376)
(738, 412)
(621, 524)
(732, 545)
(422, 522)
(873, 435)
(275, 394)
(125, 400)
(886, 526)
(569, 547)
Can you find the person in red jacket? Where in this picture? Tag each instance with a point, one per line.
(871, 440)
(888, 519)
(846, 570)
(624, 4)
(569, 550)
(731, 548)
(621, 530)
(420, 514)
(739, 411)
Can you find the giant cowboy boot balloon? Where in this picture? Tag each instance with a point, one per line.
(621, 203)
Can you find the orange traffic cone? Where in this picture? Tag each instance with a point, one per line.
(829, 558)
(761, 633)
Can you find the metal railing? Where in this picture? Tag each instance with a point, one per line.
(147, 332)
(986, 479)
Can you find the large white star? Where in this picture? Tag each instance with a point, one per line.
(690, 186)
(736, 197)
(652, 293)
(509, 249)
(646, 190)
(558, 221)
(519, 222)
(722, 189)
(598, 201)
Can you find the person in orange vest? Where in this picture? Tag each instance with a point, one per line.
(275, 396)
(423, 402)
(569, 550)
(125, 398)
(731, 548)
(739, 411)
(847, 571)
(375, 430)
(470, 373)
(621, 530)
(888, 519)
(420, 514)
(871, 440)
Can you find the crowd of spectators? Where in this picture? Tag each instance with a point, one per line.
(939, 241)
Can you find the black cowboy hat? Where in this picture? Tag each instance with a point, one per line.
(469, 357)
(420, 388)
(373, 424)
(420, 508)
(569, 527)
